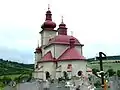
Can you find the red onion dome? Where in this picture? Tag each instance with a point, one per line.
(38, 50)
(62, 25)
(48, 22)
(62, 30)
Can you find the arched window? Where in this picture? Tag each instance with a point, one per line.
(47, 75)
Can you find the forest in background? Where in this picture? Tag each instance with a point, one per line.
(10, 67)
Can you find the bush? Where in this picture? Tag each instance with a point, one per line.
(118, 73)
(94, 71)
(111, 72)
(6, 80)
(97, 84)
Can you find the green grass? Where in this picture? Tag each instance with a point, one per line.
(10, 76)
(13, 76)
(12, 68)
(106, 66)
(1, 88)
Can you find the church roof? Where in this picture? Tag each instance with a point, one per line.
(71, 54)
(63, 39)
(48, 57)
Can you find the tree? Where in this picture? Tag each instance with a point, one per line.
(94, 71)
(111, 72)
(17, 80)
(29, 77)
(6, 80)
(118, 73)
(97, 84)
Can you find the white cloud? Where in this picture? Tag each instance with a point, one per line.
(95, 23)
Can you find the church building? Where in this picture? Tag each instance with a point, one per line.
(58, 53)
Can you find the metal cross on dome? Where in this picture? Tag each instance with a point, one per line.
(48, 6)
(62, 19)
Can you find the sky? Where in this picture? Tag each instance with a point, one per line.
(95, 23)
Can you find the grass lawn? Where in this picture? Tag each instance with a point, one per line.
(106, 66)
(13, 76)
(1, 88)
(10, 76)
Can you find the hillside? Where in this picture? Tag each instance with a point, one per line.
(111, 62)
(12, 68)
(106, 66)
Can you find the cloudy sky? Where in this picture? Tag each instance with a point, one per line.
(96, 23)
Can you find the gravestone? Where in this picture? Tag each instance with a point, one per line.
(114, 83)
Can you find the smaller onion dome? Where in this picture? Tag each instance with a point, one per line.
(38, 50)
(62, 30)
(48, 24)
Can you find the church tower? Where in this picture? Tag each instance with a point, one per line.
(62, 30)
(38, 55)
(47, 29)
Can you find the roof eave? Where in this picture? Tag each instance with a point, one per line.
(61, 44)
(72, 60)
(47, 61)
(47, 30)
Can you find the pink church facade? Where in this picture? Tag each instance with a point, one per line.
(58, 53)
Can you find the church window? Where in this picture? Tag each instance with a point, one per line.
(36, 66)
(47, 75)
(69, 67)
(79, 73)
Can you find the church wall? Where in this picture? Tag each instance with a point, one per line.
(46, 35)
(76, 66)
(58, 74)
(34, 74)
(50, 48)
(59, 49)
(79, 49)
(43, 51)
(49, 67)
(40, 70)
(37, 58)
(35, 62)
(40, 74)
(56, 50)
